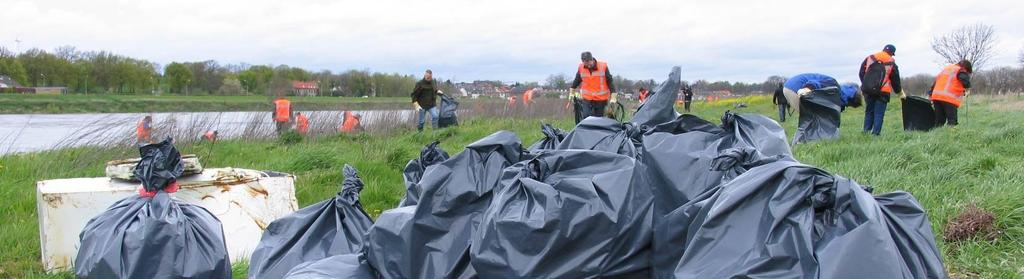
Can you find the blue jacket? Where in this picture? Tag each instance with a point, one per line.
(815, 81)
(848, 90)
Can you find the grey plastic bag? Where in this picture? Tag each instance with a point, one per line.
(567, 214)
(798, 222)
(430, 155)
(153, 237)
(552, 137)
(332, 227)
(448, 112)
(819, 115)
(660, 107)
(602, 134)
(679, 162)
(432, 238)
(347, 266)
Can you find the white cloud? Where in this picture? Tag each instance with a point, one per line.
(517, 40)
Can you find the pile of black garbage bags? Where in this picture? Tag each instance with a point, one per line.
(662, 196)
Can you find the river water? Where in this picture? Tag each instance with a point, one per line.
(37, 132)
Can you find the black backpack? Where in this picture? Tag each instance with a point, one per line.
(874, 78)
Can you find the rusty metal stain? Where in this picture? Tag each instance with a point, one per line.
(54, 200)
(206, 196)
(255, 218)
(256, 190)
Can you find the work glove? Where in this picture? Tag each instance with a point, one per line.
(439, 92)
(903, 95)
(614, 98)
(416, 106)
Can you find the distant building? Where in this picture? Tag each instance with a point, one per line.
(7, 84)
(305, 88)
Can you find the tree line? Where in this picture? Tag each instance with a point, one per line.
(102, 72)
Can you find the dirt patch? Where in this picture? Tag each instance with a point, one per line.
(973, 222)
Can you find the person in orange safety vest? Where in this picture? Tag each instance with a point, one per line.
(949, 88)
(594, 82)
(879, 78)
(282, 114)
(144, 130)
(350, 123)
(301, 123)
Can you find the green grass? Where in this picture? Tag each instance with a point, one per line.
(79, 103)
(945, 169)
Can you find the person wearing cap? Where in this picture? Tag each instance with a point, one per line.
(424, 100)
(949, 88)
(594, 82)
(878, 88)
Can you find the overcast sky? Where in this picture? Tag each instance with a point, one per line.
(522, 40)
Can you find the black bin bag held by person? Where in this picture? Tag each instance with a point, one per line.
(797, 222)
(332, 227)
(153, 237)
(431, 154)
(918, 114)
(567, 214)
(819, 115)
(447, 112)
(432, 238)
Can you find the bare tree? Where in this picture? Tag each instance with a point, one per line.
(976, 43)
(1021, 58)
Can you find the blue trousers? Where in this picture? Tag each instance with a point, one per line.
(423, 118)
(874, 112)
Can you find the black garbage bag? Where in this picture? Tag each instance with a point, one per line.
(431, 154)
(153, 237)
(567, 214)
(918, 114)
(579, 109)
(347, 266)
(797, 222)
(432, 238)
(602, 134)
(447, 112)
(685, 123)
(679, 161)
(660, 107)
(819, 115)
(332, 227)
(552, 137)
(160, 164)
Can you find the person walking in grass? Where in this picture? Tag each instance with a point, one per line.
(424, 100)
(687, 97)
(947, 92)
(879, 78)
(779, 99)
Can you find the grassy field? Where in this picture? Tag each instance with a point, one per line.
(78, 103)
(945, 169)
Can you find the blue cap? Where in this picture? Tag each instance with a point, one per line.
(891, 49)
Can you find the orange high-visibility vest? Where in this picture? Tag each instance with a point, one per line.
(643, 95)
(948, 87)
(527, 96)
(886, 60)
(303, 123)
(594, 85)
(144, 134)
(350, 123)
(282, 110)
(209, 135)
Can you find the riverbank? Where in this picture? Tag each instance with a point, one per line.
(945, 169)
(80, 103)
